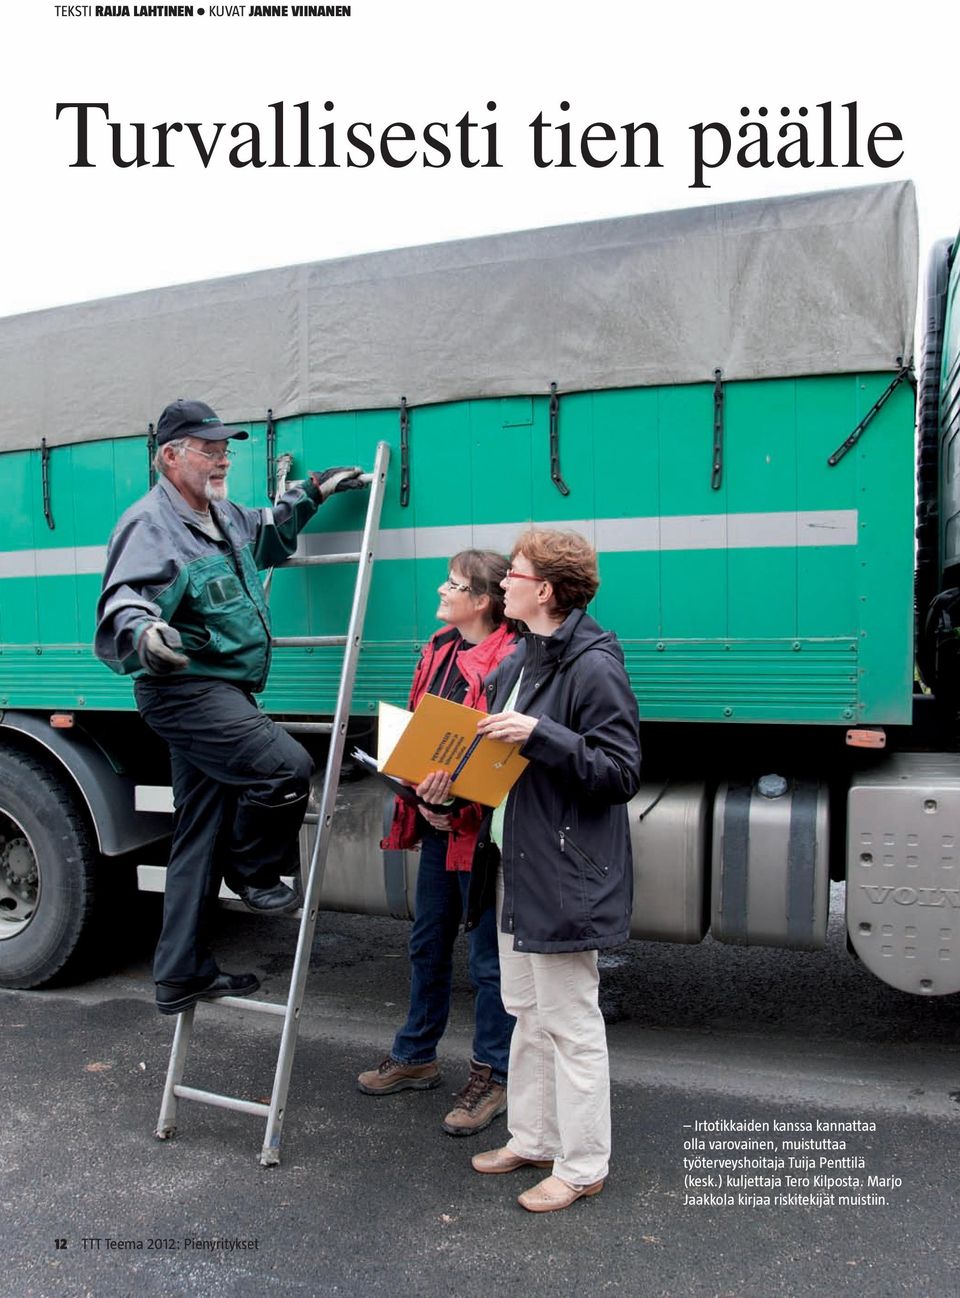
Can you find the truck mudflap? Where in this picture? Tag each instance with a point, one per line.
(903, 871)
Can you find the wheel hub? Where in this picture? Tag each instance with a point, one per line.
(18, 881)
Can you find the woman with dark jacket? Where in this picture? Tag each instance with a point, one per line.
(565, 883)
(453, 664)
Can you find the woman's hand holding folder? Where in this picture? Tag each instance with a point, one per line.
(509, 727)
(434, 790)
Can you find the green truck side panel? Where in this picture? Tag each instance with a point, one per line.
(758, 632)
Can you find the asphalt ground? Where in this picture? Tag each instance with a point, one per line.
(372, 1198)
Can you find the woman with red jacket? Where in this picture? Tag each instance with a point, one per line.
(453, 665)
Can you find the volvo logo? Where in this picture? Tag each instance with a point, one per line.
(904, 896)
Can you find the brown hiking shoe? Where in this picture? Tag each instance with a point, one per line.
(391, 1075)
(480, 1101)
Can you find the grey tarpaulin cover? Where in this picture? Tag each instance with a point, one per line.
(811, 284)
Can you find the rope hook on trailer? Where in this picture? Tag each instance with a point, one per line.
(45, 482)
(271, 456)
(151, 455)
(404, 454)
(555, 474)
(905, 373)
(717, 475)
(282, 466)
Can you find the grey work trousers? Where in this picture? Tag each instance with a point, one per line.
(240, 787)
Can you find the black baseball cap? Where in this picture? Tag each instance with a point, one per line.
(184, 418)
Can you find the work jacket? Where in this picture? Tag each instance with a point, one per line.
(567, 863)
(474, 664)
(162, 565)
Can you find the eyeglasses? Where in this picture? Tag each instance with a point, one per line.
(211, 455)
(525, 576)
(450, 584)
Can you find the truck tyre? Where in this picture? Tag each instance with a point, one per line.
(48, 866)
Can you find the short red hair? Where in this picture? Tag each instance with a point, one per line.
(566, 560)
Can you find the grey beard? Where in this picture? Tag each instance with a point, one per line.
(215, 490)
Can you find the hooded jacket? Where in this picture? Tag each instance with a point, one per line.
(162, 565)
(474, 664)
(567, 863)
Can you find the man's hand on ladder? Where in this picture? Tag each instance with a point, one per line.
(327, 481)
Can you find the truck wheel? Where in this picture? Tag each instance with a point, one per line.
(47, 875)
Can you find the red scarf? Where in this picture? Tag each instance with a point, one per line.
(475, 664)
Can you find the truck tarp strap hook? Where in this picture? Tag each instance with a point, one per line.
(555, 473)
(45, 482)
(904, 373)
(271, 456)
(151, 455)
(404, 454)
(717, 474)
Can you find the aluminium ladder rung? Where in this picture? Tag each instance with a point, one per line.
(307, 727)
(222, 1101)
(316, 560)
(307, 641)
(247, 1003)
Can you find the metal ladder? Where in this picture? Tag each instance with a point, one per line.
(174, 1089)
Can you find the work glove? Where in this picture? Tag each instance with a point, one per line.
(339, 479)
(159, 649)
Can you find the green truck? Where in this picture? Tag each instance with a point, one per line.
(722, 399)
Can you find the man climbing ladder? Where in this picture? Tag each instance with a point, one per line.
(183, 608)
(224, 994)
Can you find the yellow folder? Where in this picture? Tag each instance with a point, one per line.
(442, 736)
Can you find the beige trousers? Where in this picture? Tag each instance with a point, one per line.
(558, 1084)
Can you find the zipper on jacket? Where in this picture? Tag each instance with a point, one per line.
(513, 868)
(602, 870)
(236, 562)
(536, 666)
(489, 690)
